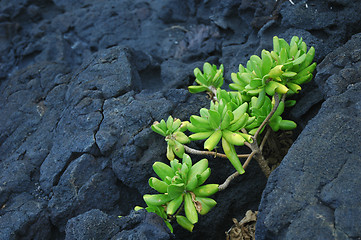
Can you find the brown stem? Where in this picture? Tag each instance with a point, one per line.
(236, 174)
(264, 139)
(213, 93)
(214, 154)
(263, 164)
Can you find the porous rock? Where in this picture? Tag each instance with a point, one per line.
(340, 68)
(74, 132)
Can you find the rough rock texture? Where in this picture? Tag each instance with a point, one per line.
(341, 68)
(314, 192)
(82, 81)
(95, 224)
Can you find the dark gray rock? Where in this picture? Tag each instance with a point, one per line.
(82, 81)
(83, 114)
(174, 11)
(24, 217)
(93, 224)
(340, 68)
(82, 187)
(143, 225)
(315, 186)
(321, 18)
(27, 124)
(138, 225)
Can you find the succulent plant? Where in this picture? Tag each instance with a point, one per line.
(209, 80)
(234, 118)
(223, 121)
(279, 71)
(172, 130)
(181, 183)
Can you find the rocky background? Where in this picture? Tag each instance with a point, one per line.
(82, 81)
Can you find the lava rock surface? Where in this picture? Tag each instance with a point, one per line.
(81, 82)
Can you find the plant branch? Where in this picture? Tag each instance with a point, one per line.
(264, 139)
(236, 174)
(213, 93)
(214, 154)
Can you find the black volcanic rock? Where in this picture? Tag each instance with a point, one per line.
(82, 81)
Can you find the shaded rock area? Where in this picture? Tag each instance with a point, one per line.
(82, 81)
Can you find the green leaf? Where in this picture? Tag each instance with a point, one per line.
(158, 185)
(299, 60)
(294, 87)
(206, 204)
(283, 55)
(266, 62)
(232, 156)
(213, 140)
(293, 50)
(176, 124)
(158, 130)
(207, 69)
(184, 223)
(276, 44)
(214, 119)
(175, 165)
(289, 74)
(245, 78)
(197, 89)
(275, 123)
(163, 170)
(287, 125)
(256, 82)
(201, 80)
(226, 121)
(169, 122)
(256, 63)
(174, 190)
(156, 199)
(284, 45)
(187, 160)
(290, 103)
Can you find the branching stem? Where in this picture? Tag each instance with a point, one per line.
(256, 150)
(236, 174)
(214, 154)
(264, 139)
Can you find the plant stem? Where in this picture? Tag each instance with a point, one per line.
(264, 139)
(213, 92)
(236, 174)
(214, 154)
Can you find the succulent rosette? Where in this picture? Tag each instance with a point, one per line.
(210, 79)
(223, 122)
(181, 183)
(173, 131)
(279, 71)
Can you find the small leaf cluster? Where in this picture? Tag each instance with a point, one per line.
(181, 184)
(222, 122)
(211, 78)
(279, 71)
(173, 131)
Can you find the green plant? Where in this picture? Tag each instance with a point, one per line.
(180, 186)
(244, 116)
